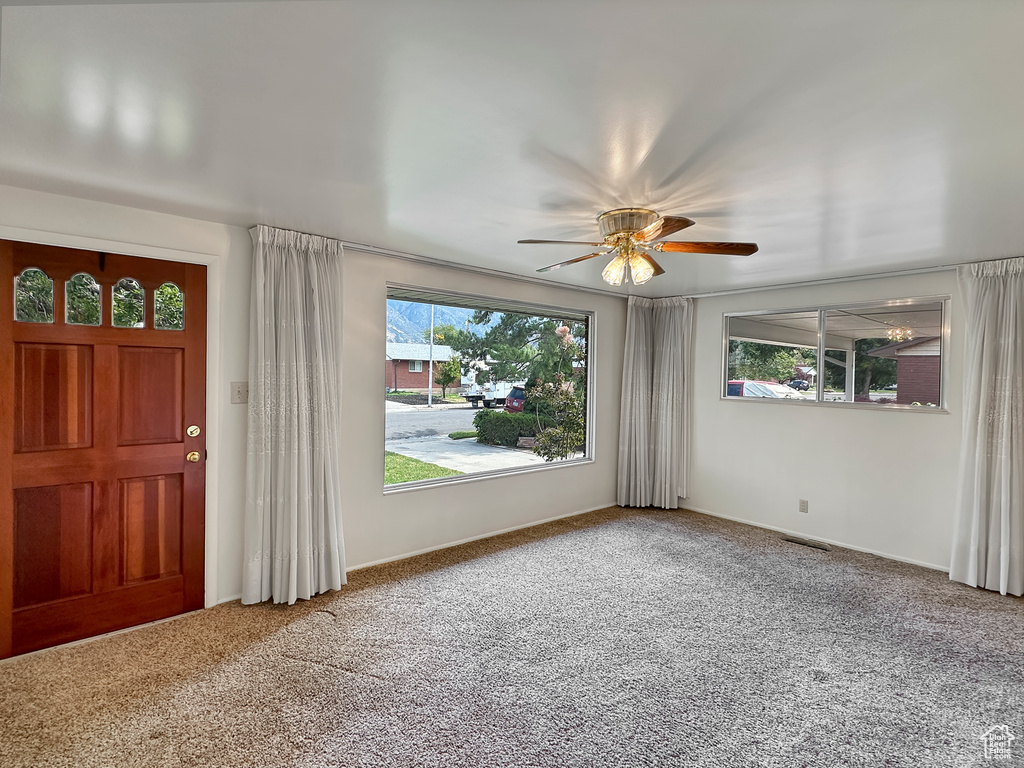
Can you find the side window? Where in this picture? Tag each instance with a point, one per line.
(415, 366)
(882, 354)
(33, 297)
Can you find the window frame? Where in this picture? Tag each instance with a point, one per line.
(445, 297)
(822, 310)
(415, 366)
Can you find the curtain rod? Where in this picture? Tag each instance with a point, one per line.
(827, 281)
(406, 256)
(475, 270)
(706, 295)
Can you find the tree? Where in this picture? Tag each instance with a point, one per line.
(82, 296)
(876, 372)
(33, 297)
(559, 399)
(170, 307)
(448, 373)
(763, 362)
(523, 347)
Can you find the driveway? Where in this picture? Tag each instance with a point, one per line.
(422, 433)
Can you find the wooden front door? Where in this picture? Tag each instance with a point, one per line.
(102, 442)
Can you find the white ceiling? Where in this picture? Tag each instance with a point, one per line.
(842, 137)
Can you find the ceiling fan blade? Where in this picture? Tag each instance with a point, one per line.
(565, 242)
(662, 227)
(573, 261)
(729, 249)
(657, 267)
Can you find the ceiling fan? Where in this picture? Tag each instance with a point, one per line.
(631, 234)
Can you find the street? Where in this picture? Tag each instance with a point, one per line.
(405, 421)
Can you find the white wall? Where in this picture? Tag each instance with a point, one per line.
(877, 480)
(376, 527)
(379, 526)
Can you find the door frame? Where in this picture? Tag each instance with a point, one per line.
(214, 406)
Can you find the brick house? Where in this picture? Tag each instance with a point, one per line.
(406, 366)
(918, 369)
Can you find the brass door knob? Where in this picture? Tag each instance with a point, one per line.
(192, 456)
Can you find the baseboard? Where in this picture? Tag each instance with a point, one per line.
(475, 538)
(804, 534)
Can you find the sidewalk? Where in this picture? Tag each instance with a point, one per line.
(462, 455)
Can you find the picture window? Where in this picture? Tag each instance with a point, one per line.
(504, 387)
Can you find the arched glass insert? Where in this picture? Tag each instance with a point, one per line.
(82, 300)
(33, 297)
(170, 308)
(129, 304)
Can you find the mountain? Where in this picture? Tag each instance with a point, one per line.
(409, 321)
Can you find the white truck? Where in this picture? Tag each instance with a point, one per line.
(489, 394)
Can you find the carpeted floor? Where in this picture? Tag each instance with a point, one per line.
(617, 638)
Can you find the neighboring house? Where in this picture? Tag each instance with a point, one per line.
(407, 366)
(917, 369)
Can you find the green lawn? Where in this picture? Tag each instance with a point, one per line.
(402, 469)
(462, 434)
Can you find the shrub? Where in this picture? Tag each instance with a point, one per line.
(501, 428)
(567, 432)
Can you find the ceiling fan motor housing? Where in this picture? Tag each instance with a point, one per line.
(625, 220)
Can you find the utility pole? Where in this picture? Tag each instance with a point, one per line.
(430, 375)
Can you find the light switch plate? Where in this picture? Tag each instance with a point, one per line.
(239, 392)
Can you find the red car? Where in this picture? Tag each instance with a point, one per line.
(515, 400)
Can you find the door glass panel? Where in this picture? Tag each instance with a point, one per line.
(170, 308)
(82, 300)
(129, 304)
(33, 297)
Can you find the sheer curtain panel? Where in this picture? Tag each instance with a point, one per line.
(293, 537)
(988, 539)
(654, 423)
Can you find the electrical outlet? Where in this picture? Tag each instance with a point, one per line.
(239, 392)
(803, 506)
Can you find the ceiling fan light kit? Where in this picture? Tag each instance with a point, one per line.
(614, 273)
(629, 234)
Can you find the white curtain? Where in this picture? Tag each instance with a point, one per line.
(293, 537)
(654, 423)
(988, 540)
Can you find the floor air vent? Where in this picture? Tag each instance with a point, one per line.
(808, 543)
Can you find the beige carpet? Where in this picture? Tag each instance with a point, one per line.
(618, 638)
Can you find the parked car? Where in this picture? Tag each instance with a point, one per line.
(747, 388)
(515, 400)
(801, 385)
